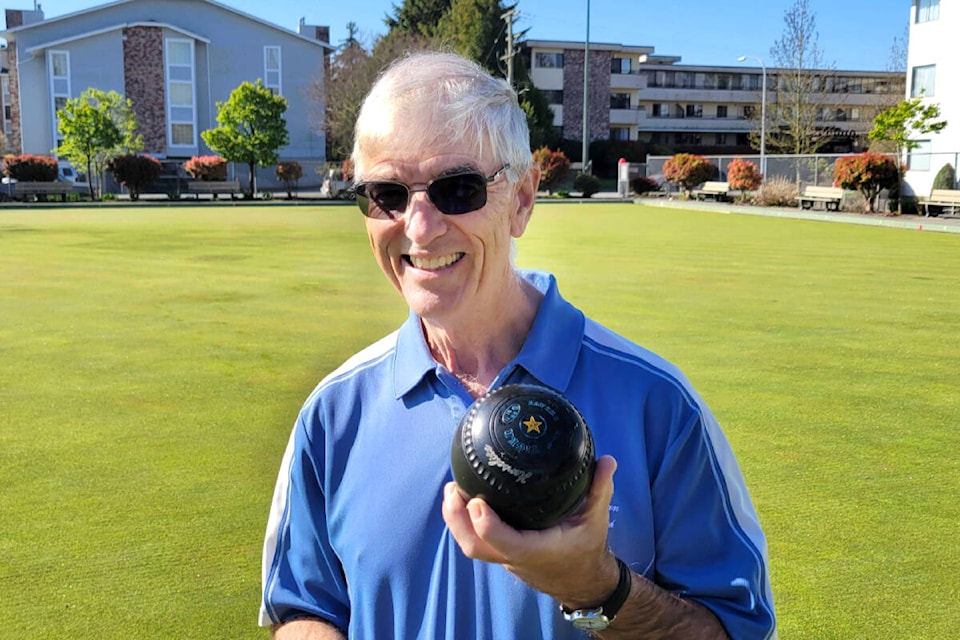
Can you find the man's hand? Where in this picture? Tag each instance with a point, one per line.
(569, 561)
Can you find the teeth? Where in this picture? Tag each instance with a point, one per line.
(433, 264)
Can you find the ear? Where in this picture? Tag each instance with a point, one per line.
(526, 196)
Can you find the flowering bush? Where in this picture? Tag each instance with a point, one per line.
(554, 166)
(134, 172)
(30, 168)
(289, 173)
(743, 175)
(687, 170)
(869, 173)
(207, 167)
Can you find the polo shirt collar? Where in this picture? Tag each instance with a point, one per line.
(549, 353)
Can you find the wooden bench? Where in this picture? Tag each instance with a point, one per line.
(831, 197)
(25, 190)
(719, 191)
(213, 187)
(939, 200)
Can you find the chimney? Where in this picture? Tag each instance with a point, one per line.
(21, 17)
(314, 31)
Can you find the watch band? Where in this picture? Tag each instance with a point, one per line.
(600, 617)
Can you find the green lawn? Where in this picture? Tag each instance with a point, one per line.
(152, 361)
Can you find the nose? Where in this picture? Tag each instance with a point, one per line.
(423, 221)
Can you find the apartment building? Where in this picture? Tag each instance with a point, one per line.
(634, 94)
(932, 69)
(173, 59)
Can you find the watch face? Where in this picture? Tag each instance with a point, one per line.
(591, 622)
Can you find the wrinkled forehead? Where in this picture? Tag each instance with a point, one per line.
(412, 125)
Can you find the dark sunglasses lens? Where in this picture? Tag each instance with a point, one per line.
(454, 195)
(375, 198)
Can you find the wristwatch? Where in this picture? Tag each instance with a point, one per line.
(599, 618)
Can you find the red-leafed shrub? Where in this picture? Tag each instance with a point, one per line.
(289, 173)
(30, 168)
(688, 170)
(134, 172)
(743, 175)
(554, 166)
(869, 173)
(207, 167)
(346, 170)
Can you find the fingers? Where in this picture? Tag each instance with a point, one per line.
(466, 520)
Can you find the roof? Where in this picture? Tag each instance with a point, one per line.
(223, 7)
(116, 27)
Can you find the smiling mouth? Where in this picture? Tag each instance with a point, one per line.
(433, 264)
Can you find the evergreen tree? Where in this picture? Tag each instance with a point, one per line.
(418, 17)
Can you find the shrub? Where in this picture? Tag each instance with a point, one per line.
(777, 192)
(207, 167)
(605, 155)
(868, 172)
(289, 173)
(30, 168)
(554, 166)
(587, 184)
(134, 172)
(687, 170)
(643, 184)
(743, 176)
(946, 178)
(346, 170)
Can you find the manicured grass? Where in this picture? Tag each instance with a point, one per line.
(152, 361)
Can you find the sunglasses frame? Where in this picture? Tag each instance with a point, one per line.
(363, 200)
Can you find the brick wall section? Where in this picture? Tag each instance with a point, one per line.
(15, 139)
(598, 118)
(14, 18)
(144, 84)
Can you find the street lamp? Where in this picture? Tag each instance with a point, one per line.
(763, 114)
(585, 149)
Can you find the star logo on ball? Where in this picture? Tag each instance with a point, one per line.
(532, 424)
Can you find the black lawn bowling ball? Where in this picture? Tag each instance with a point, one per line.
(527, 451)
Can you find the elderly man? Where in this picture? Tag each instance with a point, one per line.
(368, 537)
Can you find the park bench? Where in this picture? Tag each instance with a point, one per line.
(213, 187)
(831, 197)
(939, 200)
(719, 191)
(25, 190)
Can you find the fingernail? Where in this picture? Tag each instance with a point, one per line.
(476, 511)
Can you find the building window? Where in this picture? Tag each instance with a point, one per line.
(694, 111)
(923, 81)
(548, 60)
(271, 69)
(620, 65)
(553, 96)
(747, 112)
(721, 139)
(721, 111)
(928, 10)
(181, 94)
(689, 138)
(919, 158)
(619, 100)
(619, 133)
(59, 73)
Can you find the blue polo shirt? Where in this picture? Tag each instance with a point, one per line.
(356, 536)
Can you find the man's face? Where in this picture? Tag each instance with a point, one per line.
(447, 267)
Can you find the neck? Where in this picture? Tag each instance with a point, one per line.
(478, 346)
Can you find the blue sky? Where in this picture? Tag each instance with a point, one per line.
(854, 34)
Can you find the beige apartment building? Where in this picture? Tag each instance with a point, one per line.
(634, 94)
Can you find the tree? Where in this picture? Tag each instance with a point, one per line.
(417, 17)
(869, 173)
(799, 86)
(687, 170)
(743, 175)
(97, 126)
(289, 173)
(901, 123)
(251, 128)
(475, 30)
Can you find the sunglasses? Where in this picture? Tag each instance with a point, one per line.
(452, 194)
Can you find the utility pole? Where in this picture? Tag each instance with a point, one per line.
(508, 55)
(585, 153)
